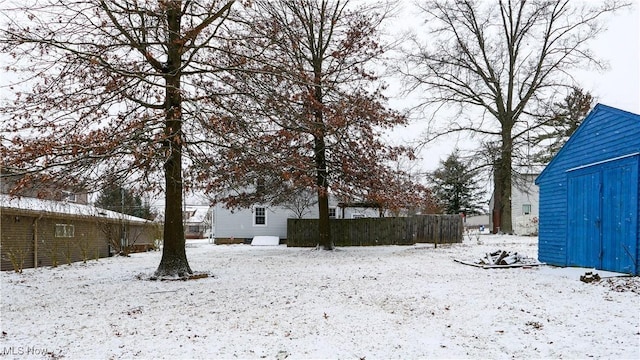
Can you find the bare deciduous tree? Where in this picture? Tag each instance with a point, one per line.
(500, 64)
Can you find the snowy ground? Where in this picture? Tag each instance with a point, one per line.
(277, 302)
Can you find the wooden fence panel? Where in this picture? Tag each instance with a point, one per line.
(435, 229)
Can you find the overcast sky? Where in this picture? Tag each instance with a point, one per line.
(620, 46)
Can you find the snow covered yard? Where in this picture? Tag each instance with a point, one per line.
(278, 302)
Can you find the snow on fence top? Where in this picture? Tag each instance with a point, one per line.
(61, 207)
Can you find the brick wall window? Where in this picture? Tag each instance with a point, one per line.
(69, 196)
(65, 230)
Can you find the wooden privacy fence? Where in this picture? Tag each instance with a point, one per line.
(434, 229)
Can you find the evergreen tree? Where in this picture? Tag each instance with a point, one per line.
(455, 188)
(117, 198)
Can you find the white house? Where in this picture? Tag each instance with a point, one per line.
(477, 222)
(195, 221)
(241, 225)
(524, 205)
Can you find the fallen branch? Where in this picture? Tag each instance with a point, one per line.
(165, 291)
(183, 278)
(485, 266)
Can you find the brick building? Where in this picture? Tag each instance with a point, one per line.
(42, 232)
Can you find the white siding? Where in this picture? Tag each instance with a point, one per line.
(239, 224)
(525, 194)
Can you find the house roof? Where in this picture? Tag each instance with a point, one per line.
(59, 207)
(598, 109)
(198, 214)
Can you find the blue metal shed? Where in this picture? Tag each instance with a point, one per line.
(589, 196)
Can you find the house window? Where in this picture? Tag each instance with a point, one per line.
(357, 216)
(260, 186)
(332, 213)
(68, 196)
(65, 230)
(526, 209)
(260, 216)
(193, 229)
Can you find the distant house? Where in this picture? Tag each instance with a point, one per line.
(589, 195)
(241, 225)
(477, 222)
(357, 210)
(196, 221)
(524, 206)
(10, 179)
(44, 232)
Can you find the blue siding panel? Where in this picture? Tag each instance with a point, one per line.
(606, 134)
(620, 201)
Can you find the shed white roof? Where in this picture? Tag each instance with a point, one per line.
(60, 207)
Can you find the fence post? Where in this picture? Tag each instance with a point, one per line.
(438, 232)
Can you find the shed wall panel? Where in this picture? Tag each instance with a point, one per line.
(552, 226)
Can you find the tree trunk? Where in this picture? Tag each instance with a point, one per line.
(497, 197)
(174, 257)
(324, 226)
(320, 150)
(505, 182)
